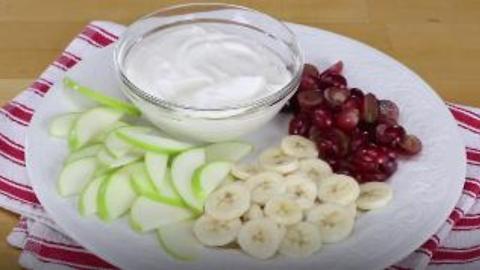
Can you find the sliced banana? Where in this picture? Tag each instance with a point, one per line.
(276, 160)
(374, 195)
(301, 240)
(352, 209)
(334, 221)
(299, 147)
(244, 171)
(264, 186)
(283, 210)
(316, 169)
(259, 238)
(282, 229)
(228, 202)
(254, 212)
(338, 188)
(301, 189)
(214, 232)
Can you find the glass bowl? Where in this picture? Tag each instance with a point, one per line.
(215, 123)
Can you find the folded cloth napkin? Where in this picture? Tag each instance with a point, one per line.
(456, 245)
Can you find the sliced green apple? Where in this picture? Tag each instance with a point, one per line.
(147, 214)
(87, 202)
(100, 138)
(111, 162)
(115, 195)
(183, 168)
(101, 98)
(228, 151)
(118, 147)
(144, 186)
(208, 177)
(178, 240)
(76, 175)
(156, 165)
(90, 124)
(153, 143)
(87, 151)
(61, 125)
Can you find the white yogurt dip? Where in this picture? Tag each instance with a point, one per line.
(205, 68)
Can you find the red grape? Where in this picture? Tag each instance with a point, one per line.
(372, 177)
(307, 83)
(336, 68)
(369, 108)
(309, 100)
(356, 93)
(310, 70)
(347, 120)
(335, 80)
(390, 135)
(299, 125)
(340, 139)
(359, 139)
(387, 111)
(410, 145)
(336, 96)
(322, 118)
(327, 148)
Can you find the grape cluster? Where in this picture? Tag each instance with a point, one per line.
(355, 132)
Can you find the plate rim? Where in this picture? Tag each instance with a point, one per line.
(420, 240)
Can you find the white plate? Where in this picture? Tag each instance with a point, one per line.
(426, 187)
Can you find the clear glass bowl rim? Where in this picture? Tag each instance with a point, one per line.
(258, 103)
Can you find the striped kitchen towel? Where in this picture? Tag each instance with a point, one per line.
(456, 245)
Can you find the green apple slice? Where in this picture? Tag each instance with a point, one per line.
(183, 168)
(87, 202)
(118, 147)
(90, 124)
(61, 125)
(228, 151)
(105, 100)
(156, 165)
(76, 175)
(100, 138)
(153, 143)
(178, 240)
(87, 151)
(144, 186)
(208, 177)
(115, 195)
(111, 162)
(147, 214)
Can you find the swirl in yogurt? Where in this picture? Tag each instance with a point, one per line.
(203, 67)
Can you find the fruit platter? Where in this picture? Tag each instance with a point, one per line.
(310, 150)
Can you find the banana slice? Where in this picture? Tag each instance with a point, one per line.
(228, 202)
(283, 210)
(316, 169)
(274, 159)
(301, 240)
(264, 186)
(260, 238)
(214, 232)
(374, 195)
(334, 221)
(255, 212)
(301, 189)
(352, 209)
(299, 147)
(244, 171)
(337, 188)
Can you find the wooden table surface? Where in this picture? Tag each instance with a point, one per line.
(439, 39)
